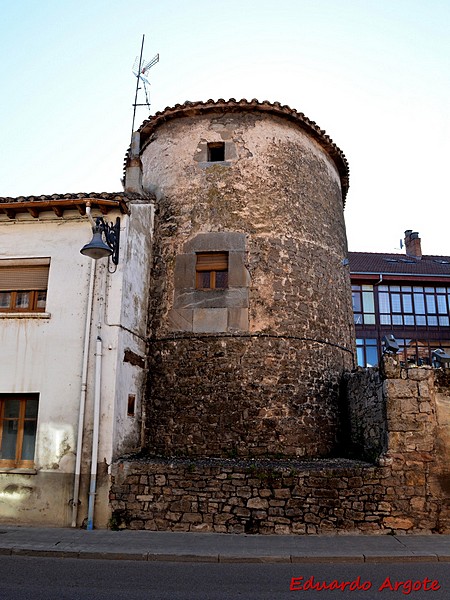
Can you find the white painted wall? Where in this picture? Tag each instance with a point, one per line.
(44, 355)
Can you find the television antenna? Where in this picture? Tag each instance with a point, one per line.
(141, 68)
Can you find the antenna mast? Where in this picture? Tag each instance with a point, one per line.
(140, 69)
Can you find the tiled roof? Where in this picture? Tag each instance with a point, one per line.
(189, 109)
(57, 203)
(398, 264)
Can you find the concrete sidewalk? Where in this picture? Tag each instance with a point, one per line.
(217, 547)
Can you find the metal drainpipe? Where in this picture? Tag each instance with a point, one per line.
(87, 335)
(97, 399)
(95, 432)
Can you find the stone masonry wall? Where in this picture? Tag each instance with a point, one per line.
(271, 380)
(366, 413)
(241, 396)
(406, 490)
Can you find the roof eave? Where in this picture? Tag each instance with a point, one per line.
(276, 108)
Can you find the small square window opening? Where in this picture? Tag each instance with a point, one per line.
(212, 270)
(216, 151)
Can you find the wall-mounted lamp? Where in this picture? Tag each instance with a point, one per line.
(390, 345)
(105, 240)
(440, 358)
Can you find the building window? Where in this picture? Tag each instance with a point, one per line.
(131, 405)
(212, 270)
(367, 352)
(419, 351)
(23, 285)
(401, 305)
(216, 151)
(414, 305)
(363, 304)
(18, 424)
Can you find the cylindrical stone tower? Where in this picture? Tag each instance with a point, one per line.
(250, 316)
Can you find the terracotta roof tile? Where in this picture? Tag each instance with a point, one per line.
(399, 264)
(58, 203)
(233, 105)
(46, 198)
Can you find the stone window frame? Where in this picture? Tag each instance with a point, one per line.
(216, 151)
(211, 310)
(203, 158)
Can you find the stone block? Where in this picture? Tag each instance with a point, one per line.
(191, 518)
(227, 298)
(282, 529)
(218, 241)
(420, 373)
(180, 319)
(398, 523)
(210, 320)
(282, 493)
(390, 366)
(202, 527)
(238, 275)
(258, 503)
(184, 275)
(237, 319)
(399, 388)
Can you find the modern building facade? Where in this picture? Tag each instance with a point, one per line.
(405, 295)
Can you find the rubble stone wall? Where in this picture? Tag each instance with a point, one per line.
(405, 490)
(241, 396)
(261, 359)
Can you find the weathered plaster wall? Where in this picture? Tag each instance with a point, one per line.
(129, 317)
(44, 355)
(279, 189)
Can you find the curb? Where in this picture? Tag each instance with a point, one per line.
(223, 558)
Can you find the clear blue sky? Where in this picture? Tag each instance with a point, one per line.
(373, 73)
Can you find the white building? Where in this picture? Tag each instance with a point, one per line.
(72, 353)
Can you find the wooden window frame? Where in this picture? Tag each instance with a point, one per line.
(218, 258)
(24, 276)
(32, 308)
(17, 462)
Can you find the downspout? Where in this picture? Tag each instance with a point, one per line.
(95, 432)
(97, 403)
(87, 335)
(380, 280)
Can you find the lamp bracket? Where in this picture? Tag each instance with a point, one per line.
(111, 231)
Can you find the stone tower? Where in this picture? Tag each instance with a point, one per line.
(250, 316)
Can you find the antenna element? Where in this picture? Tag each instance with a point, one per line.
(140, 71)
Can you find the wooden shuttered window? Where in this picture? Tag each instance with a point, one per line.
(23, 284)
(212, 270)
(18, 425)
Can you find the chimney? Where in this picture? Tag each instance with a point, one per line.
(412, 244)
(133, 170)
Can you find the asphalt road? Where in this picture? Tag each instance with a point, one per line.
(34, 578)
